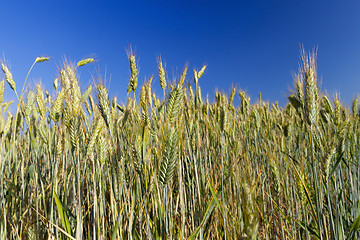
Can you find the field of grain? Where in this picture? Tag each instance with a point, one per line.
(80, 165)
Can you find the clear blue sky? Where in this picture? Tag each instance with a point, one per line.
(253, 45)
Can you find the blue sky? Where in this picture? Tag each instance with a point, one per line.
(253, 45)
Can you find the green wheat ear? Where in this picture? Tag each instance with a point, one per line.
(40, 100)
(173, 104)
(74, 132)
(355, 106)
(103, 149)
(97, 128)
(311, 91)
(57, 106)
(86, 94)
(169, 160)
(326, 105)
(29, 104)
(104, 105)
(136, 155)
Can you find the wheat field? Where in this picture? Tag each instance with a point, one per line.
(80, 165)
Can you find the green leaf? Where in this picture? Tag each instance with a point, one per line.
(354, 227)
(116, 227)
(207, 214)
(215, 197)
(62, 214)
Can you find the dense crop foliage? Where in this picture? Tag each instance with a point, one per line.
(79, 165)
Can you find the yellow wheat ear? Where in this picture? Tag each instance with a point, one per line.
(85, 61)
(198, 74)
(41, 59)
(8, 76)
(161, 70)
(2, 90)
(133, 81)
(201, 72)
(183, 76)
